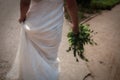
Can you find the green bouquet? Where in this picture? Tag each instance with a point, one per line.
(77, 41)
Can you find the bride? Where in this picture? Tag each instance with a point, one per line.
(41, 29)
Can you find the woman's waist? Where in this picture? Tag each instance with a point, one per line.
(39, 19)
(43, 25)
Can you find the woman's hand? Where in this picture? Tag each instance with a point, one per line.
(24, 7)
(75, 29)
(22, 19)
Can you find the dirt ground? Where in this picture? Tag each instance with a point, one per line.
(103, 59)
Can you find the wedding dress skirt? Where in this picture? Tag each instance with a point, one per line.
(37, 57)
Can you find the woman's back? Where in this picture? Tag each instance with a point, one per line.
(37, 56)
(44, 13)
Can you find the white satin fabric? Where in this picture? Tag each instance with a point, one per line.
(37, 58)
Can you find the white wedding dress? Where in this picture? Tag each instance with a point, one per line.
(37, 56)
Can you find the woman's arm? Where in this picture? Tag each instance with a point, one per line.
(24, 6)
(72, 9)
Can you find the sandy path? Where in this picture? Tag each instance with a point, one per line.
(104, 58)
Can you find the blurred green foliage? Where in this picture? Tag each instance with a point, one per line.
(92, 6)
(84, 3)
(104, 4)
(98, 4)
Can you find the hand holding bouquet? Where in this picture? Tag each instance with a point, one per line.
(77, 41)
